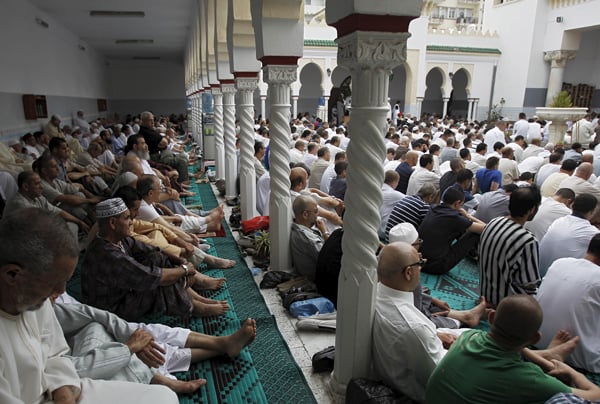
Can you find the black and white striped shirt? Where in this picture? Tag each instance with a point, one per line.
(411, 209)
(508, 260)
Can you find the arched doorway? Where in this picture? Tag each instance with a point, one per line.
(397, 88)
(340, 79)
(458, 104)
(311, 90)
(433, 102)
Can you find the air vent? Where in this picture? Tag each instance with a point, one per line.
(146, 58)
(134, 41)
(110, 13)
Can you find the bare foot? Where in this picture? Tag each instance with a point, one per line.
(560, 337)
(241, 338)
(206, 282)
(561, 351)
(208, 310)
(178, 386)
(220, 263)
(472, 317)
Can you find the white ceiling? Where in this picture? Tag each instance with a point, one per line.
(167, 22)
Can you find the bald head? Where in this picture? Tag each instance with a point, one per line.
(396, 267)
(587, 158)
(516, 322)
(411, 158)
(584, 171)
(298, 178)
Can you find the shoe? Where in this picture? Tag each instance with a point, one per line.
(324, 316)
(316, 325)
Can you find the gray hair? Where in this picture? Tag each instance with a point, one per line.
(33, 238)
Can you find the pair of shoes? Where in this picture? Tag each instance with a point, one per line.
(324, 316)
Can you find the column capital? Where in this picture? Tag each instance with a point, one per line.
(372, 49)
(446, 99)
(246, 83)
(559, 58)
(227, 88)
(280, 74)
(216, 90)
(420, 99)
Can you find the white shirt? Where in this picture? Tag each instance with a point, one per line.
(263, 193)
(549, 211)
(405, 348)
(509, 170)
(532, 150)
(534, 132)
(147, 212)
(420, 177)
(544, 172)
(391, 165)
(568, 236)
(479, 159)
(531, 164)
(492, 136)
(570, 298)
(390, 198)
(518, 151)
(328, 175)
(309, 159)
(580, 186)
(521, 127)
(296, 156)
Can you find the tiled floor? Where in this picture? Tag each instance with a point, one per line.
(302, 344)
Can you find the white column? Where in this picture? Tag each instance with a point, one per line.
(295, 105)
(263, 109)
(419, 106)
(326, 118)
(475, 108)
(558, 60)
(228, 90)
(370, 57)
(245, 87)
(279, 77)
(470, 109)
(200, 138)
(445, 110)
(219, 139)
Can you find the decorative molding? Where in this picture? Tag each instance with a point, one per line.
(228, 88)
(462, 49)
(216, 91)
(246, 83)
(559, 58)
(284, 74)
(372, 50)
(373, 23)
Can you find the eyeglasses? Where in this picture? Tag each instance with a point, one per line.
(418, 242)
(313, 211)
(421, 262)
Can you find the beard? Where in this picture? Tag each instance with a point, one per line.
(143, 154)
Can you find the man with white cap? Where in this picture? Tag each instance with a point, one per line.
(132, 279)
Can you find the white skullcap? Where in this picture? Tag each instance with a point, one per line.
(404, 232)
(110, 207)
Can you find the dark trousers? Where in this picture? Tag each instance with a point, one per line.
(458, 251)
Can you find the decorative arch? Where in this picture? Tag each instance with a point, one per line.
(458, 104)
(340, 90)
(311, 89)
(399, 89)
(433, 102)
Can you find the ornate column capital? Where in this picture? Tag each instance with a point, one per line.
(280, 74)
(227, 88)
(246, 83)
(559, 58)
(216, 90)
(372, 49)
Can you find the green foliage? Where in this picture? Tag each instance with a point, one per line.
(262, 243)
(562, 100)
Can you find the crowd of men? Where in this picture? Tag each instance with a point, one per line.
(109, 199)
(500, 194)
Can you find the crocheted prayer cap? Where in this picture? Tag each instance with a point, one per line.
(110, 207)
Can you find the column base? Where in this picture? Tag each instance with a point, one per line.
(336, 389)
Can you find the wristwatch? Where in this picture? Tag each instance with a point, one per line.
(185, 268)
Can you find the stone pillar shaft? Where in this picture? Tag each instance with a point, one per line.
(370, 58)
(470, 109)
(445, 110)
(294, 106)
(263, 107)
(245, 107)
(219, 139)
(228, 90)
(279, 78)
(558, 60)
(419, 106)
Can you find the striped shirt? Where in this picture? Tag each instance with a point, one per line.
(411, 209)
(508, 260)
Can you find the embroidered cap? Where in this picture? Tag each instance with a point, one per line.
(405, 232)
(110, 207)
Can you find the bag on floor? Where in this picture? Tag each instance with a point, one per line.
(298, 297)
(255, 224)
(274, 278)
(323, 360)
(365, 391)
(318, 305)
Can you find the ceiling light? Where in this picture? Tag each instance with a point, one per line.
(110, 13)
(134, 41)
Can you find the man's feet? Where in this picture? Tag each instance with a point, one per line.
(216, 308)
(178, 386)
(560, 347)
(218, 263)
(470, 318)
(241, 338)
(204, 282)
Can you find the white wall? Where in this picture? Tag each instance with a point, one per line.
(44, 61)
(138, 85)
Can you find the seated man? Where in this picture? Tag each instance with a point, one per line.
(508, 253)
(338, 185)
(390, 198)
(412, 209)
(570, 301)
(487, 367)
(30, 196)
(306, 242)
(103, 346)
(489, 178)
(449, 233)
(570, 235)
(34, 368)
(559, 205)
(132, 279)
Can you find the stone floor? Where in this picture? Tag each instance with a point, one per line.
(302, 344)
